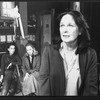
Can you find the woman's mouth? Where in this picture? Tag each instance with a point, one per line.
(66, 35)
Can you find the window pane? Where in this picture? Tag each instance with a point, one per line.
(6, 7)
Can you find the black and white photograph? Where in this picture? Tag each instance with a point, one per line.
(49, 48)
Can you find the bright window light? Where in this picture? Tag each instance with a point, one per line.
(6, 7)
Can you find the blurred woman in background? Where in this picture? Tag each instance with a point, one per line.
(30, 68)
(8, 65)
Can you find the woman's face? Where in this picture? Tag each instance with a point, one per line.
(11, 49)
(69, 31)
(29, 50)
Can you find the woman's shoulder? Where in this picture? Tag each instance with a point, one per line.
(24, 56)
(91, 52)
(50, 50)
(37, 57)
(50, 46)
(18, 56)
(4, 55)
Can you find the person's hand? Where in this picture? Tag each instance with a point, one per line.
(9, 65)
(26, 76)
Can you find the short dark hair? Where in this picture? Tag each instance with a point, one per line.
(14, 44)
(84, 38)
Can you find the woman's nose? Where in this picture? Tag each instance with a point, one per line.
(65, 29)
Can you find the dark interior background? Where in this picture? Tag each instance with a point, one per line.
(91, 11)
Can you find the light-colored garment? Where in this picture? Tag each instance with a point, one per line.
(30, 58)
(30, 85)
(72, 71)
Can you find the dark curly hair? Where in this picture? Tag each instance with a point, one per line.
(84, 38)
(14, 44)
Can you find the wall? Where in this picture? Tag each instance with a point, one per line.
(23, 13)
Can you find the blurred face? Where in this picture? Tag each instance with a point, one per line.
(11, 49)
(29, 50)
(69, 31)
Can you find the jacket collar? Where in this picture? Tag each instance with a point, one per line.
(82, 62)
(34, 54)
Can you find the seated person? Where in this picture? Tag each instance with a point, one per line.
(30, 68)
(8, 65)
(16, 86)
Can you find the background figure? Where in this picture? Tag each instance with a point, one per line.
(30, 68)
(69, 67)
(8, 65)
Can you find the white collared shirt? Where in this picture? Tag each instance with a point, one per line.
(72, 71)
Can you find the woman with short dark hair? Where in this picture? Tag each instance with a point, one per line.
(8, 65)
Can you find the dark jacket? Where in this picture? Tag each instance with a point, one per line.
(52, 75)
(6, 60)
(26, 67)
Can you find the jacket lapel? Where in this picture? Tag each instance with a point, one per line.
(34, 62)
(27, 62)
(62, 70)
(82, 64)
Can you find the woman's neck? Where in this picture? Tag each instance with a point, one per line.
(70, 46)
(30, 55)
(10, 54)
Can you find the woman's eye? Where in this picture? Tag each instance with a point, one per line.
(70, 25)
(61, 25)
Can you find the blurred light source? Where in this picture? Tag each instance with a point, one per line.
(6, 8)
(76, 6)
